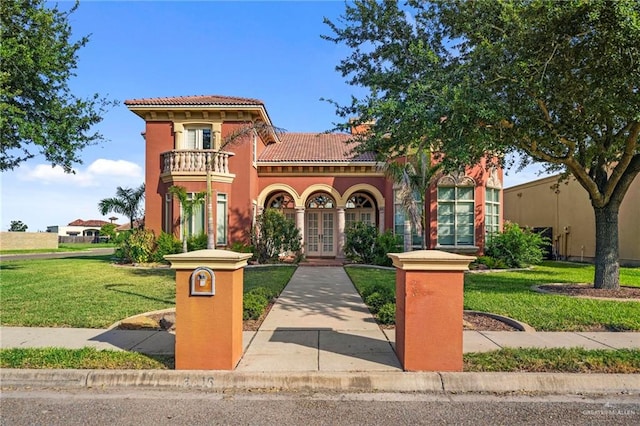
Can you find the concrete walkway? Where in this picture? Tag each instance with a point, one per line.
(319, 323)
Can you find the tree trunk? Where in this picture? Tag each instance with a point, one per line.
(607, 274)
(210, 229)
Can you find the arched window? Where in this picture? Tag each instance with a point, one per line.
(359, 208)
(456, 211)
(321, 201)
(284, 202)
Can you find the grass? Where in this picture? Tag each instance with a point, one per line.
(91, 292)
(510, 294)
(62, 248)
(272, 278)
(85, 358)
(572, 360)
(566, 360)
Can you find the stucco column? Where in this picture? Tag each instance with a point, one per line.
(208, 308)
(341, 239)
(408, 240)
(429, 306)
(381, 219)
(300, 223)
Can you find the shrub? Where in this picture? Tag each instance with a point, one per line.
(365, 245)
(490, 262)
(387, 313)
(166, 244)
(387, 242)
(253, 305)
(197, 242)
(360, 245)
(274, 235)
(137, 246)
(240, 247)
(376, 300)
(517, 247)
(108, 230)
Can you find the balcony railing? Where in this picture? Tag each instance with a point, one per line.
(195, 161)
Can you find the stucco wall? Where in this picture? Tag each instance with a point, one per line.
(28, 240)
(566, 208)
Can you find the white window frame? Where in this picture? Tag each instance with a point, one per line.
(191, 222)
(168, 213)
(456, 202)
(492, 220)
(199, 139)
(222, 222)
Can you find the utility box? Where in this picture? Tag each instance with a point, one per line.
(209, 289)
(429, 309)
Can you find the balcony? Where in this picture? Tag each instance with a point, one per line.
(194, 162)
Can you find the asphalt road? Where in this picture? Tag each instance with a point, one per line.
(153, 407)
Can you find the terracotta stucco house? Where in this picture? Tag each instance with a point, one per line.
(312, 177)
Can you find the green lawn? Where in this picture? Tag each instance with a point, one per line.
(571, 360)
(90, 291)
(510, 294)
(62, 248)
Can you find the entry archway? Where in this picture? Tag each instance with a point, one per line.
(320, 225)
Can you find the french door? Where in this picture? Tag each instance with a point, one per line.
(320, 233)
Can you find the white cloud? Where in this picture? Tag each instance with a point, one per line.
(93, 175)
(103, 167)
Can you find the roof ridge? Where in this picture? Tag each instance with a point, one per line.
(192, 98)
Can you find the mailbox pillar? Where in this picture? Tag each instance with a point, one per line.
(209, 288)
(429, 306)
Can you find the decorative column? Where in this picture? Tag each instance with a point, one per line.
(381, 219)
(300, 223)
(341, 225)
(429, 306)
(208, 308)
(408, 239)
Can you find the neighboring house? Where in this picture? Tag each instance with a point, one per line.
(79, 228)
(137, 223)
(311, 177)
(565, 210)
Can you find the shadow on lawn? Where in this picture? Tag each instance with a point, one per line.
(112, 287)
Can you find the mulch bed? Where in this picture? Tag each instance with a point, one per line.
(587, 290)
(471, 321)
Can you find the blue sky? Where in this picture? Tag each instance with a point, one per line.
(266, 50)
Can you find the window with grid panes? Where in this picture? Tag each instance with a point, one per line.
(400, 217)
(456, 215)
(492, 211)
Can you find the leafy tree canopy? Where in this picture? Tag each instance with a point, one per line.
(556, 81)
(126, 202)
(38, 112)
(17, 226)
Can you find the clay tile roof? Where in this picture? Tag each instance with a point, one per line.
(193, 100)
(91, 223)
(313, 147)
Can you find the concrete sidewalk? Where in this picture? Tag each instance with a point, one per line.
(319, 335)
(319, 323)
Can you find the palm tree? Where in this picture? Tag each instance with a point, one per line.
(126, 202)
(188, 204)
(414, 175)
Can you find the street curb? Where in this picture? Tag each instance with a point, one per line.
(423, 382)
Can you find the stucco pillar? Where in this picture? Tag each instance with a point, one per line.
(429, 306)
(208, 308)
(381, 219)
(300, 223)
(341, 225)
(408, 240)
